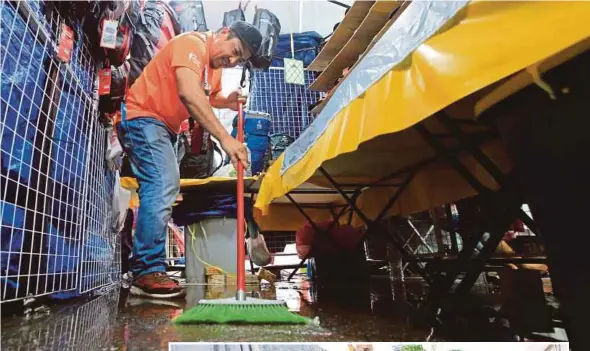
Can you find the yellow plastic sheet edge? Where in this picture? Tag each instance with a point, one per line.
(131, 183)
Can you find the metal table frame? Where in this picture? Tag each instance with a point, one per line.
(501, 207)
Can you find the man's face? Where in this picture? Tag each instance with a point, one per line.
(227, 53)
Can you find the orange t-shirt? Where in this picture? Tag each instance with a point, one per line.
(154, 93)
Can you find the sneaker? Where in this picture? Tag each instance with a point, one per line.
(157, 285)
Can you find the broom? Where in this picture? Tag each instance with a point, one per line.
(241, 309)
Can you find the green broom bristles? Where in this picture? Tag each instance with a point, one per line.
(251, 311)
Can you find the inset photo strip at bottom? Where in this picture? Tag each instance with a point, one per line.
(377, 346)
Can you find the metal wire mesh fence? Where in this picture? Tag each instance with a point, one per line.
(86, 325)
(174, 244)
(101, 247)
(54, 197)
(276, 241)
(288, 104)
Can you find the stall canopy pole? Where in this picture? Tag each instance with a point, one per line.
(339, 4)
(452, 233)
(300, 16)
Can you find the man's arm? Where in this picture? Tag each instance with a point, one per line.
(220, 101)
(193, 97)
(197, 103)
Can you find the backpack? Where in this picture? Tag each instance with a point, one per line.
(233, 16)
(199, 157)
(191, 15)
(158, 24)
(269, 26)
(199, 166)
(126, 13)
(278, 144)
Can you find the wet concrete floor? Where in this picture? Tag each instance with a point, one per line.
(117, 321)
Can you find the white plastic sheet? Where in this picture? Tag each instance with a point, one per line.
(114, 156)
(120, 204)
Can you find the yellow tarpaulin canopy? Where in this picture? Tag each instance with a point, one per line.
(487, 43)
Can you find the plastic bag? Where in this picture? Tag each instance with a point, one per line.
(228, 170)
(120, 204)
(258, 251)
(225, 171)
(114, 156)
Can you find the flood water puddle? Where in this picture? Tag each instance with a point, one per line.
(117, 321)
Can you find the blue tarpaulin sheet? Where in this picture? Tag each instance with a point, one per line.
(306, 47)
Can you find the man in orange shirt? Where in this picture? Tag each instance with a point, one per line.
(182, 81)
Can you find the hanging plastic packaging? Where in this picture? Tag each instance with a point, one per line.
(114, 151)
(121, 197)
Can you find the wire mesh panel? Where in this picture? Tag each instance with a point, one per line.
(288, 104)
(174, 243)
(94, 321)
(101, 251)
(87, 325)
(276, 241)
(51, 143)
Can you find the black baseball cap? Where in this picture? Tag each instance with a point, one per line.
(249, 36)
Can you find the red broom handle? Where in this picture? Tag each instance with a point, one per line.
(241, 273)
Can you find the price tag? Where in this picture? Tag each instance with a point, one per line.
(66, 33)
(64, 51)
(66, 44)
(104, 81)
(108, 38)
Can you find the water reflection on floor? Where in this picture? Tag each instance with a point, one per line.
(117, 321)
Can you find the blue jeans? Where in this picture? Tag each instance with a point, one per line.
(150, 146)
